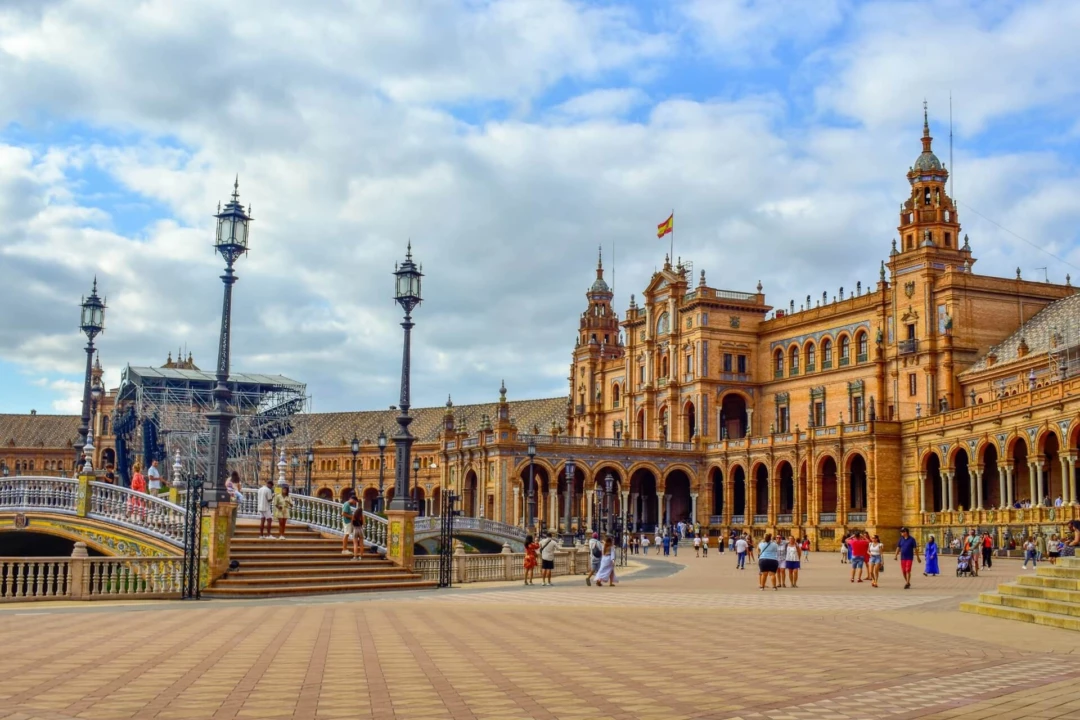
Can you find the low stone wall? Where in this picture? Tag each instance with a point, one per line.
(507, 565)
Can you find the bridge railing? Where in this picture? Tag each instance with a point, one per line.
(425, 525)
(149, 514)
(39, 493)
(324, 516)
(89, 578)
(481, 567)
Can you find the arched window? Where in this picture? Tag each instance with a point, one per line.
(845, 350)
(778, 363)
(615, 395)
(664, 367)
(105, 425)
(826, 354)
(663, 325)
(811, 357)
(862, 346)
(663, 423)
(793, 360)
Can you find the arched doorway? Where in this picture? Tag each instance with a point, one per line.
(324, 493)
(418, 497)
(962, 481)
(991, 478)
(436, 501)
(716, 478)
(677, 489)
(1021, 475)
(932, 486)
(732, 416)
(761, 490)
(828, 486)
(639, 429)
(690, 422)
(1051, 448)
(371, 496)
(469, 494)
(738, 491)
(108, 457)
(643, 487)
(787, 488)
(857, 484)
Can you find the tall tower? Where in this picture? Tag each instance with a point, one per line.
(929, 223)
(597, 341)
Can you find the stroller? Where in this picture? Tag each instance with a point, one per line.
(964, 565)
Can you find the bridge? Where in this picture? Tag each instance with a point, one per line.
(487, 536)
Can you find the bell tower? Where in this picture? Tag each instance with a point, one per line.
(929, 223)
(597, 342)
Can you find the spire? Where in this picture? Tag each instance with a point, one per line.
(502, 391)
(236, 188)
(926, 139)
(449, 402)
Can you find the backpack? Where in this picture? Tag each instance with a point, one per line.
(596, 553)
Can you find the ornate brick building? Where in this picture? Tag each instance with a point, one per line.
(933, 398)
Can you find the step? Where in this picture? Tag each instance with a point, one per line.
(1029, 603)
(298, 540)
(293, 555)
(1065, 622)
(1040, 591)
(1056, 571)
(356, 568)
(1033, 580)
(235, 580)
(342, 561)
(287, 590)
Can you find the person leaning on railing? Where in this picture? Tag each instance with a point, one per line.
(1068, 549)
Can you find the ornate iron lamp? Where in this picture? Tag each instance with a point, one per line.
(407, 294)
(91, 322)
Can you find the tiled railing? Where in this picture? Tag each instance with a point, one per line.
(150, 514)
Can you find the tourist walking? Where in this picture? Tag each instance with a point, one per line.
(1040, 545)
(596, 553)
(644, 544)
(348, 508)
(137, 505)
(987, 545)
(845, 551)
(876, 559)
(704, 546)
(697, 546)
(741, 546)
(675, 544)
(356, 530)
(547, 558)
(658, 542)
(606, 573)
(907, 550)
(265, 507)
(781, 557)
(805, 548)
(153, 478)
(282, 507)
(768, 560)
(531, 547)
(931, 558)
(1030, 553)
(793, 561)
(232, 486)
(667, 544)
(860, 550)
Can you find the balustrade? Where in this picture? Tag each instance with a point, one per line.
(39, 493)
(89, 578)
(148, 513)
(487, 567)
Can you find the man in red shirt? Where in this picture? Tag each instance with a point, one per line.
(860, 554)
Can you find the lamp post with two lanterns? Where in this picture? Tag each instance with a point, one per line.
(531, 452)
(407, 295)
(355, 447)
(232, 242)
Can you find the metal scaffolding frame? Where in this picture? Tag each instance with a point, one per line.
(162, 410)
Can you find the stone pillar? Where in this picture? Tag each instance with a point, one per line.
(79, 577)
(1066, 490)
(1040, 468)
(693, 508)
(667, 508)
(400, 541)
(975, 479)
(1072, 479)
(217, 524)
(1002, 501)
(588, 508)
(749, 422)
(82, 494)
(517, 514)
(553, 509)
(1032, 488)
(636, 511)
(946, 495)
(659, 512)
(922, 493)
(1010, 485)
(625, 495)
(843, 502)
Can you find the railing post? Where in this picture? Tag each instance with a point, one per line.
(217, 535)
(82, 495)
(508, 560)
(78, 572)
(399, 544)
(459, 561)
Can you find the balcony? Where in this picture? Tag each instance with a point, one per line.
(579, 409)
(856, 517)
(826, 364)
(615, 404)
(862, 357)
(761, 519)
(908, 347)
(810, 367)
(778, 374)
(737, 519)
(785, 519)
(826, 518)
(716, 519)
(845, 361)
(679, 445)
(794, 371)
(662, 382)
(735, 377)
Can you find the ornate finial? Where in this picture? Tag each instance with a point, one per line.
(502, 391)
(759, 286)
(168, 360)
(881, 272)
(408, 250)
(1018, 274)
(966, 245)
(967, 266)
(702, 280)
(449, 402)
(894, 250)
(633, 303)
(667, 261)
(841, 292)
(1068, 281)
(600, 258)
(925, 120)
(236, 188)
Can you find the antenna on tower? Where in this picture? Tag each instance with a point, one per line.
(952, 169)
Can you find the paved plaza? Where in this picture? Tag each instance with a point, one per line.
(678, 638)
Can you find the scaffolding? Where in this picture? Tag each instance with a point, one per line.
(163, 410)
(1064, 353)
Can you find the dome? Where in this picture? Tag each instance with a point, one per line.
(599, 286)
(927, 161)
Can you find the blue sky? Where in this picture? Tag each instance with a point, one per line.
(508, 139)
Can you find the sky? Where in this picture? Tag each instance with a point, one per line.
(509, 140)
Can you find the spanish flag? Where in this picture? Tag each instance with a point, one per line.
(665, 227)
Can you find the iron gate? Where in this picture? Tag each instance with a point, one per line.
(446, 539)
(193, 504)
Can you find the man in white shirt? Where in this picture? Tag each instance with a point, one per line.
(741, 547)
(153, 479)
(266, 508)
(547, 558)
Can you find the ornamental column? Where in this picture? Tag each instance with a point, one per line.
(625, 495)
(1072, 479)
(922, 493)
(1001, 487)
(1040, 468)
(693, 508)
(1010, 485)
(975, 493)
(659, 512)
(588, 509)
(667, 508)
(516, 516)
(946, 490)
(1066, 483)
(1035, 498)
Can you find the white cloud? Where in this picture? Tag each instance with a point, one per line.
(603, 103)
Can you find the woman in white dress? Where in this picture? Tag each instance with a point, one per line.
(607, 564)
(781, 568)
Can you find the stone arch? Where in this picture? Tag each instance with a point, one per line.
(643, 488)
(616, 394)
(924, 461)
(987, 455)
(760, 475)
(716, 482)
(418, 496)
(689, 421)
(470, 493)
(862, 345)
(810, 355)
(325, 493)
(857, 482)
(932, 489)
(778, 362)
(1018, 455)
(954, 450)
(371, 498)
(677, 492)
(738, 489)
(793, 358)
(786, 501)
(961, 481)
(843, 347)
(1049, 454)
(733, 416)
(826, 352)
(827, 474)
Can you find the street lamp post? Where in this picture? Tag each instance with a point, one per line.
(531, 452)
(408, 296)
(232, 242)
(382, 451)
(355, 451)
(96, 391)
(568, 534)
(415, 484)
(609, 485)
(310, 462)
(91, 322)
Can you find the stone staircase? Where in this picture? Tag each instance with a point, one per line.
(1048, 596)
(305, 563)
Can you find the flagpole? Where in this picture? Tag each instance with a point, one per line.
(671, 257)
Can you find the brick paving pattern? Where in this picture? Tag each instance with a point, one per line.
(702, 642)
